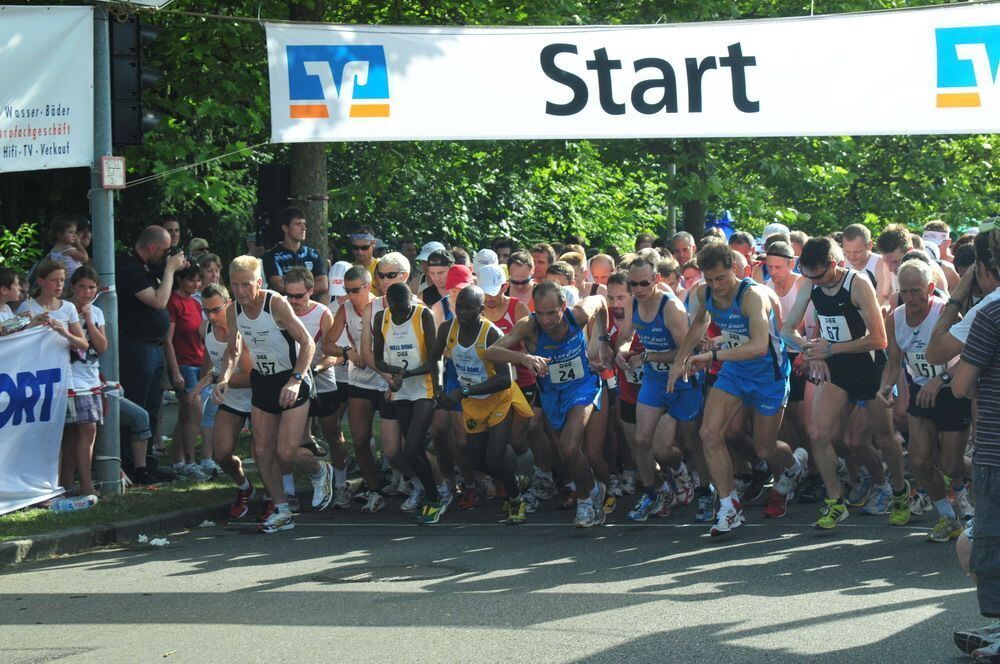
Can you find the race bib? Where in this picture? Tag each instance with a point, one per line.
(634, 376)
(264, 366)
(661, 367)
(564, 372)
(734, 339)
(920, 367)
(611, 381)
(407, 358)
(834, 328)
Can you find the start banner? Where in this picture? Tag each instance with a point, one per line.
(34, 383)
(921, 71)
(46, 87)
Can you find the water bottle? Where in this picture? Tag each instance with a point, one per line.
(74, 504)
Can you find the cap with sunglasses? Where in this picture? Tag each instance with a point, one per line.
(428, 249)
(440, 258)
(337, 272)
(459, 276)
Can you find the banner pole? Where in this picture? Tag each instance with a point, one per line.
(107, 451)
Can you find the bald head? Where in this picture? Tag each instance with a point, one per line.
(472, 296)
(152, 244)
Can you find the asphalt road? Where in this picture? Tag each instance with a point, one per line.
(344, 586)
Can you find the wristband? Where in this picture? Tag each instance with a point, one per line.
(951, 300)
(715, 355)
(604, 337)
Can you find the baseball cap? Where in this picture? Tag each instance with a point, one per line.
(428, 249)
(782, 250)
(459, 276)
(774, 229)
(337, 271)
(484, 257)
(491, 279)
(440, 258)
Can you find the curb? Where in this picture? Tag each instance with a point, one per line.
(79, 540)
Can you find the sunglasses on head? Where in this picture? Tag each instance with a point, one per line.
(645, 283)
(388, 275)
(356, 289)
(360, 247)
(296, 296)
(521, 282)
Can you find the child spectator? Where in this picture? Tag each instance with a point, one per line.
(50, 280)
(66, 247)
(10, 292)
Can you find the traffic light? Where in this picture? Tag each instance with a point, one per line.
(129, 119)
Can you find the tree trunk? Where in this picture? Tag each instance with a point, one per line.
(694, 165)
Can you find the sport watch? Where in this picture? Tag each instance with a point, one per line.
(297, 376)
(945, 378)
(465, 390)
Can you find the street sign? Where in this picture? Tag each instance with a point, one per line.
(113, 172)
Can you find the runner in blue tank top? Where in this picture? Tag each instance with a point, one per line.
(658, 318)
(557, 351)
(754, 374)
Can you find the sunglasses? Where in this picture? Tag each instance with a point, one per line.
(214, 310)
(296, 296)
(814, 277)
(645, 283)
(521, 282)
(356, 289)
(360, 247)
(388, 275)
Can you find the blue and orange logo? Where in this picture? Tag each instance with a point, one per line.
(317, 77)
(967, 64)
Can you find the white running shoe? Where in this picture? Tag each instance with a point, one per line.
(323, 487)
(683, 488)
(963, 506)
(614, 486)
(878, 502)
(279, 520)
(921, 502)
(630, 482)
(728, 520)
(374, 502)
(585, 515)
(341, 497)
(415, 499)
(210, 468)
(193, 472)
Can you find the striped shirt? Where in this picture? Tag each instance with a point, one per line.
(982, 350)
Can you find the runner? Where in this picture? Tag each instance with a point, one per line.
(857, 244)
(849, 359)
(557, 352)
(754, 374)
(488, 397)
(282, 350)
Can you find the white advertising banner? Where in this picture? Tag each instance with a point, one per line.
(927, 71)
(46, 87)
(34, 383)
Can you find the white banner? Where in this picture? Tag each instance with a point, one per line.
(34, 380)
(46, 87)
(927, 71)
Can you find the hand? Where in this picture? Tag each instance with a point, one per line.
(696, 363)
(450, 399)
(927, 396)
(634, 362)
(819, 372)
(178, 383)
(396, 382)
(676, 371)
(354, 357)
(219, 392)
(538, 365)
(964, 287)
(800, 366)
(176, 262)
(884, 396)
(289, 393)
(621, 360)
(605, 357)
(194, 396)
(818, 349)
(84, 311)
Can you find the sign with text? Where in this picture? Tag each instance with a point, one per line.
(34, 384)
(926, 71)
(46, 88)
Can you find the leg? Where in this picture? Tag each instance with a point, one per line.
(291, 426)
(880, 423)
(495, 460)
(417, 423)
(360, 412)
(646, 419)
(67, 456)
(829, 407)
(923, 436)
(265, 446)
(595, 436)
(720, 407)
(226, 432)
(86, 434)
(570, 439)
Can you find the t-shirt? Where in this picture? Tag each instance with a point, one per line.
(982, 350)
(68, 262)
(140, 322)
(960, 330)
(65, 314)
(185, 314)
(6, 313)
(87, 371)
(279, 259)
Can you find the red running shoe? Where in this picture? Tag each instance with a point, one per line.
(777, 506)
(268, 511)
(239, 508)
(468, 499)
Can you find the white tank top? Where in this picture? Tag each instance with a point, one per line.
(325, 381)
(365, 378)
(237, 398)
(340, 371)
(272, 349)
(469, 365)
(405, 347)
(913, 342)
(788, 299)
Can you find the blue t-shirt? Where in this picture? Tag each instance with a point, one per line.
(279, 259)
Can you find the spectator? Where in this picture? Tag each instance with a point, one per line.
(172, 224)
(743, 243)
(211, 270)
(893, 243)
(10, 292)
(682, 246)
(362, 239)
(253, 249)
(381, 248)
(292, 251)
(66, 247)
(142, 302)
(84, 232)
(691, 274)
(542, 255)
(50, 280)
(197, 247)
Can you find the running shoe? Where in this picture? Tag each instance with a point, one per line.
(777, 505)
(683, 488)
(323, 487)
(920, 502)
(945, 530)
(831, 514)
(597, 497)
(727, 520)
(630, 481)
(585, 515)
(969, 640)
(486, 487)
(374, 502)
(433, 512)
(963, 506)
(706, 505)
(468, 499)
(266, 512)
(669, 500)
(293, 503)
(646, 506)
(615, 486)
(517, 508)
(899, 512)
(858, 495)
(341, 497)
(414, 500)
(191, 472)
(210, 468)
(544, 487)
(396, 485)
(278, 521)
(810, 490)
(240, 506)
(567, 498)
(530, 501)
(754, 488)
(879, 501)
(987, 654)
(610, 503)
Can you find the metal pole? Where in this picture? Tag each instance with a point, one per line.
(673, 208)
(107, 451)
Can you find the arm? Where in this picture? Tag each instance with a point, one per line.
(326, 360)
(599, 346)
(171, 357)
(388, 371)
(963, 383)
(276, 284)
(98, 338)
(367, 343)
(332, 336)
(228, 358)
(500, 380)
(891, 372)
(943, 346)
(980, 352)
(522, 332)
(242, 379)
(78, 253)
(322, 289)
(286, 318)
(587, 308)
(792, 322)
(884, 278)
(157, 298)
(700, 321)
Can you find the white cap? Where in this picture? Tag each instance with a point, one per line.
(337, 271)
(491, 278)
(429, 249)
(572, 295)
(484, 257)
(774, 229)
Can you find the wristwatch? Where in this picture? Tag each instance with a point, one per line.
(297, 376)
(344, 350)
(643, 356)
(465, 390)
(604, 337)
(946, 378)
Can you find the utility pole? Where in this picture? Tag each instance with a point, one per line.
(107, 452)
